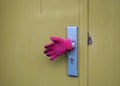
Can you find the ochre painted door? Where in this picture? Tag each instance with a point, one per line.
(104, 53)
(25, 27)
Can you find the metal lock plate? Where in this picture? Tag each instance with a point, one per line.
(73, 54)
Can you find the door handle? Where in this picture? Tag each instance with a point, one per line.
(59, 46)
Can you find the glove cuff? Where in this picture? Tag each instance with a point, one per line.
(68, 45)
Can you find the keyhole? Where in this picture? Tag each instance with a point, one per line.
(71, 59)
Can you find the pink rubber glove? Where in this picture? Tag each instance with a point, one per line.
(57, 47)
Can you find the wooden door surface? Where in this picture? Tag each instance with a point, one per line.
(104, 53)
(25, 27)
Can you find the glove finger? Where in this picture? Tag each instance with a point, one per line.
(50, 53)
(48, 50)
(49, 45)
(53, 57)
(56, 39)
